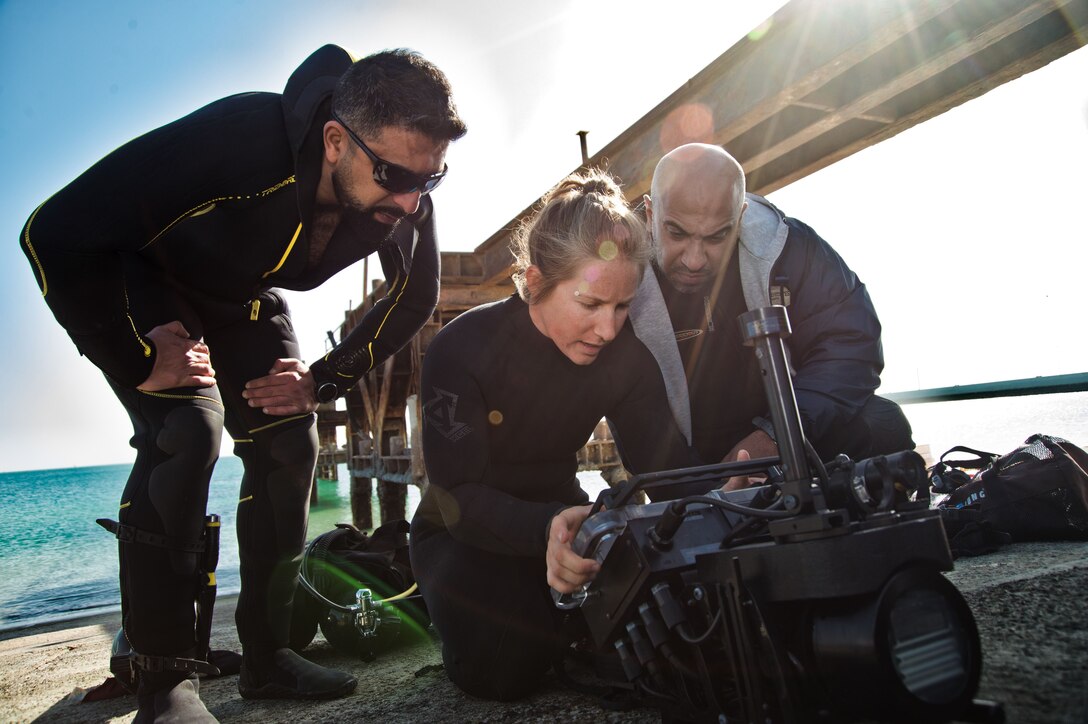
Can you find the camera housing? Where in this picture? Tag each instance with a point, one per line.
(815, 597)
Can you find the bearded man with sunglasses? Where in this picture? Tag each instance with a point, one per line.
(161, 263)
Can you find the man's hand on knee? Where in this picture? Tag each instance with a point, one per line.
(287, 389)
(179, 361)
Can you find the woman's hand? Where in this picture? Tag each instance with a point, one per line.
(567, 571)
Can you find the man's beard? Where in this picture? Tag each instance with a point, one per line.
(354, 213)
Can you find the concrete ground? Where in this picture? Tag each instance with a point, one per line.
(1030, 601)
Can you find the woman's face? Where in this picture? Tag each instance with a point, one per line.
(584, 313)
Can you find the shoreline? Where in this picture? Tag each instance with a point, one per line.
(79, 619)
(1027, 598)
(73, 619)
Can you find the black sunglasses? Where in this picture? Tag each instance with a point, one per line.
(391, 177)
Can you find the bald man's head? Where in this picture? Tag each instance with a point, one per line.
(694, 209)
(698, 168)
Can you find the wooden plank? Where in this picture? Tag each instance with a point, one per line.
(908, 79)
(967, 92)
(468, 297)
(368, 404)
(809, 43)
(383, 404)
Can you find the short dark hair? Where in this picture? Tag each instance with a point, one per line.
(397, 88)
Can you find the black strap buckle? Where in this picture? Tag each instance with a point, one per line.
(154, 664)
(131, 534)
(125, 534)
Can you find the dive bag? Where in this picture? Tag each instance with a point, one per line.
(1037, 492)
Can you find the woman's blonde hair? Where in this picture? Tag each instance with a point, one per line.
(585, 216)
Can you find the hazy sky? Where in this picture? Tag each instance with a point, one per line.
(965, 229)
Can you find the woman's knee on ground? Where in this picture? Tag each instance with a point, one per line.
(497, 677)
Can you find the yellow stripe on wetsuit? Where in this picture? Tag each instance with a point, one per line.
(203, 207)
(287, 253)
(370, 344)
(30, 247)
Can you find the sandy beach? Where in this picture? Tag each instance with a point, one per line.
(1030, 601)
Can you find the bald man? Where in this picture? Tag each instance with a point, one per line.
(720, 252)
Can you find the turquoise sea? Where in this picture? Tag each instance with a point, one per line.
(56, 563)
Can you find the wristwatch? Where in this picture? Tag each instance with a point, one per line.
(327, 392)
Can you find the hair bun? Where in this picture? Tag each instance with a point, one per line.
(598, 186)
(578, 184)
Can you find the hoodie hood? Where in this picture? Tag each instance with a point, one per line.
(309, 87)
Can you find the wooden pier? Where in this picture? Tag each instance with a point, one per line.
(820, 81)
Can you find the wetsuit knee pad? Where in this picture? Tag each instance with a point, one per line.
(293, 451)
(294, 443)
(279, 466)
(177, 487)
(194, 432)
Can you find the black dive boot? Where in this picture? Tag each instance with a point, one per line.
(286, 675)
(171, 697)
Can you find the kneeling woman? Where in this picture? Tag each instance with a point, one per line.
(512, 390)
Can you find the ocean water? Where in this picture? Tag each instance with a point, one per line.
(56, 563)
(999, 424)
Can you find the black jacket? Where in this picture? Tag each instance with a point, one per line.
(220, 202)
(834, 349)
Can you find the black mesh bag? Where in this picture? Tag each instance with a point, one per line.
(1037, 492)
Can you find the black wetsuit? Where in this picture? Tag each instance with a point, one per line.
(198, 221)
(505, 413)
